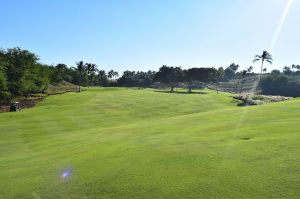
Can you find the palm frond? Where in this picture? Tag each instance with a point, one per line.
(269, 58)
(255, 60)
(257, 56)
(269, 61)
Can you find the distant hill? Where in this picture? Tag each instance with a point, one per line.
(62, 87)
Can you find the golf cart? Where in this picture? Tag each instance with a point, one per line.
(14, 106)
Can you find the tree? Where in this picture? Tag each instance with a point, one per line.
(287, 71)
(111, 74)
(243, 75)
(275, 72)
(137, 79)
(264, 57)
(59, 73)
(91, 70)
(3, 78)
(297, 69)
(169, 75)
(42, 79)
(280, 84)
(250, 69)
(217, 77)
(81, 69)
(115, 75)
(21, 74)
(4, 93)
(102, 78)
(198, 75)
(128, 79)
(21, 71)
(230, 71)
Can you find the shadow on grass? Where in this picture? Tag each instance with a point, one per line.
(240, 103)
(245, 104)
(181, 92)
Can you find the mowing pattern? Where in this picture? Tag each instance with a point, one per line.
(125, 143)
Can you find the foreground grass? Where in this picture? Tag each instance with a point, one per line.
(125, 143)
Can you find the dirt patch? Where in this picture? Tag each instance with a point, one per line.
(29, 102)
(24, 102)
(4, 108)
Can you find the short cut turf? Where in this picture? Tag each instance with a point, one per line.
(129, 143)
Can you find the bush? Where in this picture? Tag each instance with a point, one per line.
(278, 84)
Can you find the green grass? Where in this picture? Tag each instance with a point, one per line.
(126, 143)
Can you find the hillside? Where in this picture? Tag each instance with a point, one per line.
(248, 85)
(62, 87)
(32, 100)
(126, 143)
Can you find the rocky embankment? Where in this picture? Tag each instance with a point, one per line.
(250, 99)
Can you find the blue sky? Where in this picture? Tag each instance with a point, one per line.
(145, 34)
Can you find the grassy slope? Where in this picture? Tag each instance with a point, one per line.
(123, 143)
(249, 85)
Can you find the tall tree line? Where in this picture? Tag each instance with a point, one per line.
(21, 74)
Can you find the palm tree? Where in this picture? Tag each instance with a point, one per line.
(217, 76)
(264, 57)
(116, 75)
(81, 68)
(249, 70)
(60, 72)
(91, 70)
(110, 74)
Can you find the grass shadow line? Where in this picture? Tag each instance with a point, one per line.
(184, 93)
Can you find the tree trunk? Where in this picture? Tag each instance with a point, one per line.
(261, 69)
(79, 86)
(217, 87)
(172, 89)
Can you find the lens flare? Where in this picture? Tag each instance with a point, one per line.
(280, 24)
(243, 112)
(66, 173)
(276, 34)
